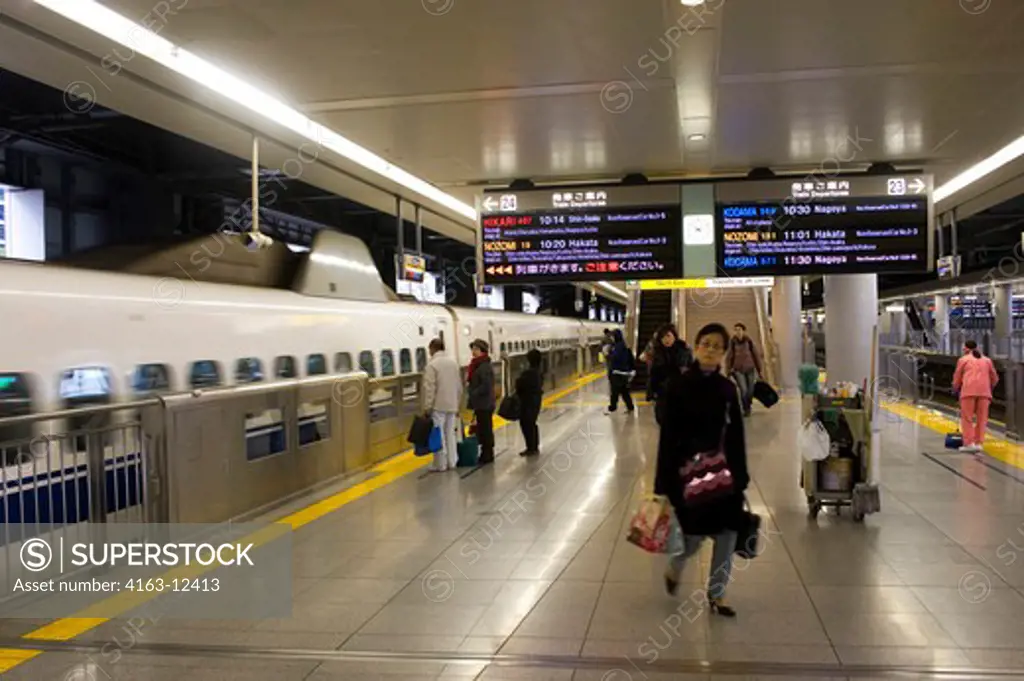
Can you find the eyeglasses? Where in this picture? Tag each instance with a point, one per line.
(710, 345)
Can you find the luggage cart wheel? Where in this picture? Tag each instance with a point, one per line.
(813, 507)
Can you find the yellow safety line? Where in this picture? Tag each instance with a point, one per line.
(386, 472)
(998, 448)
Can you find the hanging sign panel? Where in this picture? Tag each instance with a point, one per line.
(592, 233)
(850, 225)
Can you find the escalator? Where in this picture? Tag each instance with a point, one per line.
(655, 310)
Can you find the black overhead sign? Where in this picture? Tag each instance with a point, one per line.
(846, 225)
(583, 234)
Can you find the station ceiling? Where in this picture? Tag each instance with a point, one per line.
(467, 93)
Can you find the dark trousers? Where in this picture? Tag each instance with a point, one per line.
(620, 386)
(485, 433)
(531, 433)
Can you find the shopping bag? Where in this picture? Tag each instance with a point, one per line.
(954, 440)
(675, 537)
(813, 441)
(765, 394)
(433, 443)
(510, 408)
(419, 431)
(469, 452)
(651, 525)
(748, 534)
(436, 442)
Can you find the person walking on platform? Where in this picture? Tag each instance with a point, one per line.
(442, 395)
(973, 380)
(670, 356)
(607, 345)
(703, 415)
(623, 369)
(480, 389)
(743, 364)
(530, 390)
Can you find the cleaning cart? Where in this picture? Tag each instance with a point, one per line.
(843, 468)
(833, 480)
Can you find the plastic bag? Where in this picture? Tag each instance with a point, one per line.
(813, 441)
(651, 525)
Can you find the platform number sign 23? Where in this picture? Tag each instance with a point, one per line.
(897, 186)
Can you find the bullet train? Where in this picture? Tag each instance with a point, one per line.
(76, 336)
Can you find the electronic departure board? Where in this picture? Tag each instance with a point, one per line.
(848, 225)
(596, 233)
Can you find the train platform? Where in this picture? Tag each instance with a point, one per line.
(520, 570)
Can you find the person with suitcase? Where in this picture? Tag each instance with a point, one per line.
(480, 391)
(442, 395)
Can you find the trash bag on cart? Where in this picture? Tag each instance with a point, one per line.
(813, 441)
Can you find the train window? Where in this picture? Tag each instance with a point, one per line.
(316, 365)
(151, 378)
(15, 400)
(85, 384)
(421, 359)
(342, 362)
(204, 374)
(284, 367)
(387, 363)
(405, 361)
(249, 370)
(366, 363)
(503, 348)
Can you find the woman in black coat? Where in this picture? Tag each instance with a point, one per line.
(702, 412)
(670, 356)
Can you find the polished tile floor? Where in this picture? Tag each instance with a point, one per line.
(526, 560)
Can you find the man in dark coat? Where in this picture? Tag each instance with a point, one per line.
(703, 414)
(480, 391)
(530, 390)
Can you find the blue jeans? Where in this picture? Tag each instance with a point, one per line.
(745, 381)
(721, 559)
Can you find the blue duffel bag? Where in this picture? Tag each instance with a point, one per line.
(954, 440)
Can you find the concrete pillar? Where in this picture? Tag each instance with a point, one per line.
(1002, 303)
(851, 313)
(786, 297)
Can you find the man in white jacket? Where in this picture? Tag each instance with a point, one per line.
(442, 396)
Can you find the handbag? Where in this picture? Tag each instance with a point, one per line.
(954, 440)
(748, 533)
(706, 477)
(651, 525)
(419, 430)
(765, 394)
(510, 408)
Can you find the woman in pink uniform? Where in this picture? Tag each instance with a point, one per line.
(973, 380)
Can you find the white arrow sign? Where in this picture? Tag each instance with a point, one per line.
(918, 185)
(489, 203)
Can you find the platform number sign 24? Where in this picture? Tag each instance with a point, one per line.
(897, 186)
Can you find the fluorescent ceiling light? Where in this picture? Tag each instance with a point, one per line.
(697, 137)
(979, 170)
(692, 3)
(613, 289)
(108, 23)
